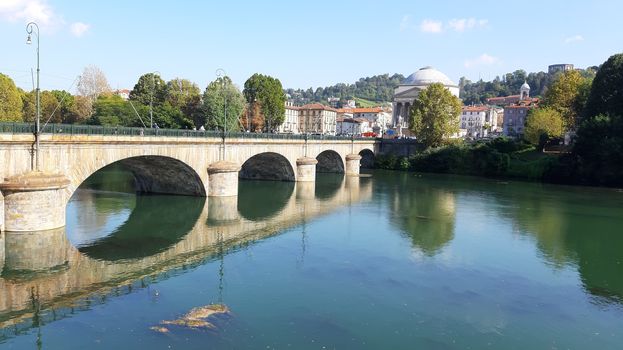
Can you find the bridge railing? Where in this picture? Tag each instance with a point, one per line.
(82, 129)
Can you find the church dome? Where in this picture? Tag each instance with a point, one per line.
(426, 76)
(525, 86)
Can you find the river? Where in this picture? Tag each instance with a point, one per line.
(388, 260)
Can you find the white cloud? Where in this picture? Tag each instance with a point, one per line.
(463, 24)
(78, 29)
(431, 26)
(29, 10)
(482, 60)
(574, 39)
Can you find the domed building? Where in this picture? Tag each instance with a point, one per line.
(406, 93)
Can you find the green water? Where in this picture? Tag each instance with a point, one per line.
(393, 261)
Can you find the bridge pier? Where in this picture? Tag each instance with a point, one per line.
(222, 210)
(223, 179)
(306, 169)
(352, 164)
(34, 202)
(36, 251)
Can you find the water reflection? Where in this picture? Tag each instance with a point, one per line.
(425, 212)
(156, 223)
(570, 232)
(258, 200)
(162, 234)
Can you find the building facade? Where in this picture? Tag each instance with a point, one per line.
(290, 123)
(352, 126)
(316, 118)
(478, 121)
(516, 114)
(555, 68)
(407, 92)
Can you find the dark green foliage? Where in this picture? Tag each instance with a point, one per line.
(378, 88)
(114, 111)
(599, 151)
(149, 88)
(606, 96)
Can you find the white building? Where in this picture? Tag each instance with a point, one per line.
(478, 121)
(352, 126)
(290, 123)
(406, 93)
(378, 120)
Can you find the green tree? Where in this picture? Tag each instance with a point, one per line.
(435, 115)
(542, 125)
(10, 101)
(567, 95)
(223, 104)
(268, 93)
(606, 96)
(48, 104)
(149, 88)
(185, 96)
(112, 110)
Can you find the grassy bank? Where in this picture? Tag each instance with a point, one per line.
(502, 158)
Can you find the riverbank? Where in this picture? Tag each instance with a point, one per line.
(499, 158)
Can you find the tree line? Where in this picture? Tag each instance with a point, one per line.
(153, 102)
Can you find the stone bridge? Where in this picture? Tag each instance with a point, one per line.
(35, 200)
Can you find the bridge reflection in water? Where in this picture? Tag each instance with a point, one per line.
(45, 269)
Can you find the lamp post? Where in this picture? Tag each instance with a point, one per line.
(220, 74)
(151, 100)
(29, 29)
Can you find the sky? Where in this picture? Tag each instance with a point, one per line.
(305, 43)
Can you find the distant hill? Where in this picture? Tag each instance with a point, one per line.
(509, 84)
(368, 91)
(375, 90)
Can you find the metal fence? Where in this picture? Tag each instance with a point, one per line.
(80, 129)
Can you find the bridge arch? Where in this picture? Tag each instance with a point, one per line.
(329, 161)
(152, 174)
(367, 158)
(267, 166)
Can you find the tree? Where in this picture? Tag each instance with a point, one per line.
(223, 104)
(606, 96)
(112, 110)
(10, 101)
(48, 103)
(567, 95)
(267, 92)
(435, 115)
(93, 83)
(542, 125)
(185, 96)
(150, 88)
(81, 110)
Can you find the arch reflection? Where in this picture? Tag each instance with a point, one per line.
(156, 223)
(258, 200)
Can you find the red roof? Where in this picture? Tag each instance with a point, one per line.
(360, 110)
(314, 106)
(475, 108)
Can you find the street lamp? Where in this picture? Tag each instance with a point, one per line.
(29, 29)
(220, 74)
(151, 100)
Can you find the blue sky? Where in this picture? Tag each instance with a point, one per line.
(304, 44)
